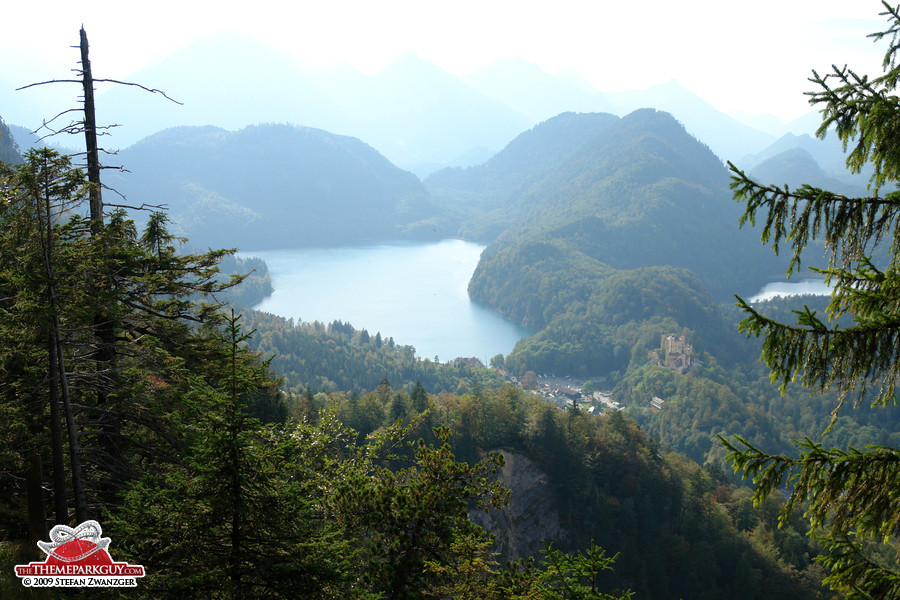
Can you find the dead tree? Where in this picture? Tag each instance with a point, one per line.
(103, 325)
(87, 125)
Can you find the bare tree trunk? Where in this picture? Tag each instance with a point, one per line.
(60, 507)
(57, 358)
(106, 354)
(81, 513)
(34, 494)
(90, 138)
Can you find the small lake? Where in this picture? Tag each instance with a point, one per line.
(794, 288)
(412, 292)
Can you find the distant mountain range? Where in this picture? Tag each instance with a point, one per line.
(419, 116)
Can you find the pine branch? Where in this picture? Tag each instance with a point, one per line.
(850, 227)
(846, 490)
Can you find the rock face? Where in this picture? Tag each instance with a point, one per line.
(529, 518)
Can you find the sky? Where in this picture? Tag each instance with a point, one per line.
(753, 57)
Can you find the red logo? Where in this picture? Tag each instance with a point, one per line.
(78, 558)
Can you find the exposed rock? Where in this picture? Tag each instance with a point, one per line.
(530, 517)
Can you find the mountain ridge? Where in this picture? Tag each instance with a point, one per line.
(271, 186)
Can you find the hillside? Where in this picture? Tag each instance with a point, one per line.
(275, 186)
(635, 224)
(796, 166)
(644, 193)
(9, 150)
(487, 195)
(727, 137)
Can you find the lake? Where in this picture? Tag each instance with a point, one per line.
(412, 292)
(794, 288)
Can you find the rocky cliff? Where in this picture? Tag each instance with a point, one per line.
(530, 517)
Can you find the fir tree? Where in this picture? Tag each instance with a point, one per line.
(236, 519)
(849, 495)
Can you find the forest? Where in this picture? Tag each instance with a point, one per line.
(239, 454)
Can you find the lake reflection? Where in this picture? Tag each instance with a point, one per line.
(415, 293)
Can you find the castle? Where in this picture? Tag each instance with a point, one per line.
(676, 353)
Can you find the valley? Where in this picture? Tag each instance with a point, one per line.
(473, 321)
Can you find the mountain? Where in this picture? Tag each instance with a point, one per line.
(415, 112)
(226, 80)
(727, 137)
(487, 194)
(806, 124)
(828, 154)
(275, 186)
(533, 92)
(9, 149)
(643, 193)
(796, 166)
(637, 223)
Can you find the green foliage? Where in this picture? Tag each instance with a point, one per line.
(413, 517)
(113, 308)
(333, 357)
(574, 577)
(9, 149)
(231, 520)
(256, 284)
(677, 527)
(849, 495)
(610, 325)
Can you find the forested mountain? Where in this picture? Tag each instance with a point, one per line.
(487, 196)
(797, 166)
(631, 192)
(9, 150)
(727, 137)
(275, 186)
(642, 208)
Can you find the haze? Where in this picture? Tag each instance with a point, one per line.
(752, 57)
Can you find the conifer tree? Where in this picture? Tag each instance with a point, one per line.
(850, 495)
(412, 524)
(236, 517)
(56, 273)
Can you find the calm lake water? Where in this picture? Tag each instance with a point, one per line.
(794, 288)
(415, 293)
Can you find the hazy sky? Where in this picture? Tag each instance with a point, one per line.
(751, 56)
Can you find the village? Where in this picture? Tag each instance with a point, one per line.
(567, 392)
